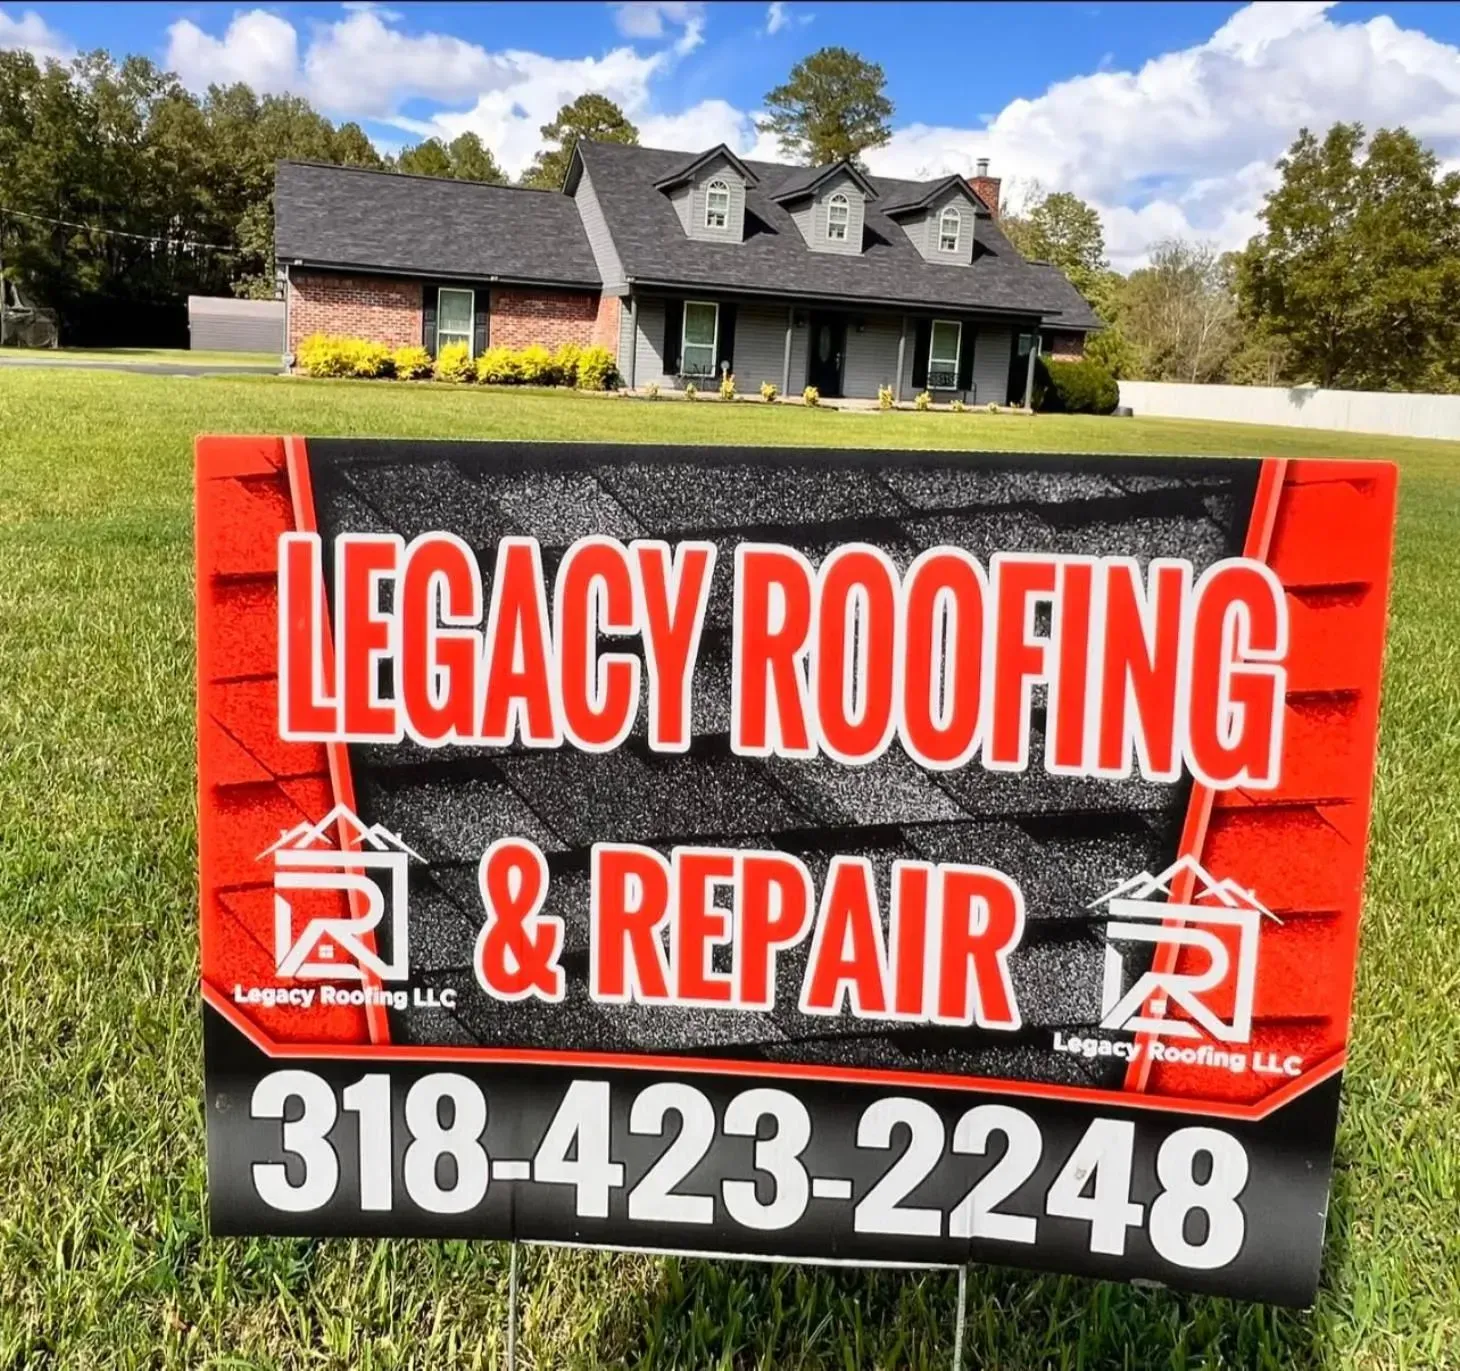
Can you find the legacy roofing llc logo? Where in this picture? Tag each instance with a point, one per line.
(1219, 922)
(328, 947)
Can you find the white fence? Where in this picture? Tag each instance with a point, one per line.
(1353, 411)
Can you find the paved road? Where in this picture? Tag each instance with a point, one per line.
(152, 368)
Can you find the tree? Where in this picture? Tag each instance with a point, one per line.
(471, 161)
(1180, 313)
(590, 116)
(425, 159)
(831, 107)
(1357, 274)
(1063, 229)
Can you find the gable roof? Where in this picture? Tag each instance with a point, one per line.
(1076, 312)
(795, 187)
(920, 194)
(688, 171)
(354, 217)
(774, 260)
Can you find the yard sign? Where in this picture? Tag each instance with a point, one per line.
(898, 858)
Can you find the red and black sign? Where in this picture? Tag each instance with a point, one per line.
(882, 858)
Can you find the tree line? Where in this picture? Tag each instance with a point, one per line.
(121, 193)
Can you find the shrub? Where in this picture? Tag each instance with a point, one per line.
(691, 391)
(326, 354)
(651, 391)
(992, 407)
(596, 369)
(811, 397)
(368, 360)
(411, 363)
(769, 391)
(453, 363)
(924, 401)
(884, 397)
(1082, 387)
(957, 406)
(499, 366)
(565, 363)
(536, 367)
(727, 386)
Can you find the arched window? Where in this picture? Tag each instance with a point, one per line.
(838, 215)
(949, 225)
(717, 205)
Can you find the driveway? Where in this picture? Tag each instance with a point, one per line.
(150, 368)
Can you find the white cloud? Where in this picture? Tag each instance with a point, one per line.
(1184, 145)
(656, 19)
(778, 16)
(30, 33)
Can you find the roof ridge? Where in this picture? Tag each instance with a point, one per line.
(413, 175)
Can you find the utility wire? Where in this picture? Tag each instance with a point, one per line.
(118, 233)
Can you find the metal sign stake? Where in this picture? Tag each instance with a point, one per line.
(962, 1317)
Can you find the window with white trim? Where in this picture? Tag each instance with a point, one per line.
(700, 337)
(717, 205)
(838, 216)
(455, 317)
(943, 354)
(950, 225)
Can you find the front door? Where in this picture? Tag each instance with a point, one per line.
(828, 349)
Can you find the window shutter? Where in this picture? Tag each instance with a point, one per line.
(673, 333)
(727, 337)
(428, 318)
(922, 341)
(966, 340)
(479, 324)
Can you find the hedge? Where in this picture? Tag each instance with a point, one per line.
(1082, 387)
(587, 368)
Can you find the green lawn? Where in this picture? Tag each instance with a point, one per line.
(45, 356)
(103, 1256)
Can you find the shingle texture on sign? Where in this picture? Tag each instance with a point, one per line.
(1065, 840)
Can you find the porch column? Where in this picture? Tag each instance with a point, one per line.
(633, 338)
(901, 357)
(1029, 370)
(786, 356)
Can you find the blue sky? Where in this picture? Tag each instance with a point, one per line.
(1167, 117)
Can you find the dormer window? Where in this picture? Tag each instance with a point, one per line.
(838, 215)
(717, 205)
(950, 224)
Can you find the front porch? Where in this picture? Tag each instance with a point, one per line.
(846, 353)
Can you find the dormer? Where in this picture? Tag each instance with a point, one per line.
(708, 194)
(940, 221)
(828, 205)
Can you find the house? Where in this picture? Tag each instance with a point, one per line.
(686, 267)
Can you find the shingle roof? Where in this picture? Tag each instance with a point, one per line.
(1076, 312)
(921, 194)
(687, 170)
(422, 225)
(803, 180)
(774, 258)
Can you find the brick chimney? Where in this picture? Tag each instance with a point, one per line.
(984, 186)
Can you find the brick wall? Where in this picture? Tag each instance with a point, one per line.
(549, 317)
(1064, 347)
(605, 323)
(373, 307)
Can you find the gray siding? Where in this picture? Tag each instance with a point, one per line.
(649, 350)
(810, 218)
(222, 324)
(689, 203)
(599, 238)
(760, 346)
(871, 359)
(923, 232)
(991, 364)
